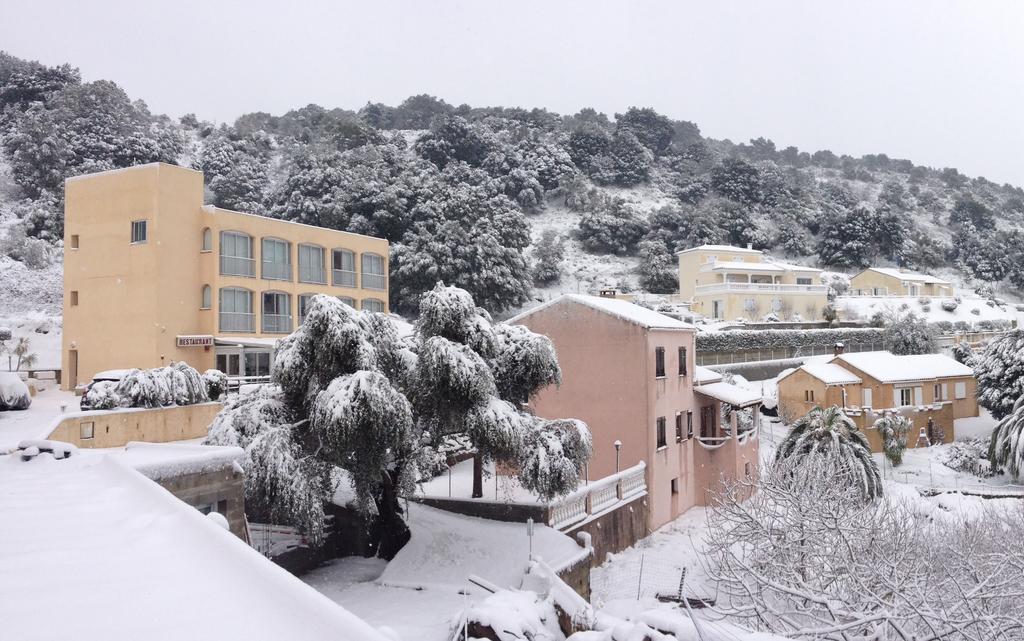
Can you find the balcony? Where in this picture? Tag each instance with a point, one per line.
(237, 266)
(374, 281)
(237, 322)
(273, 270)
(343, 278)
(277, 323)
(716, 288)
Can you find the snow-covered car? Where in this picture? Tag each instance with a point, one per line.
(100, 384)
(14, 394)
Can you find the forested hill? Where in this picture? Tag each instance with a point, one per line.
(501, 201)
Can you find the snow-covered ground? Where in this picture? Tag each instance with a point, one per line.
(43, 331)
(969, 310)
(457, 482)
(37, 421)
(425, 587)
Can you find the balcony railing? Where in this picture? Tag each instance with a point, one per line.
(277, 271)
(761, 287)
(277, 323)
(597, 497)
(237, 266)
(237, 322)
(343, 278)
(374, 281)
(318, 277)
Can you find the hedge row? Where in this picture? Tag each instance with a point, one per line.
(763, 339)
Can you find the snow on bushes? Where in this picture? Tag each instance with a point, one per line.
(949, 305)
(175, 384)
(14, 394)
(216, 383)
(754, 339)
(968, 455)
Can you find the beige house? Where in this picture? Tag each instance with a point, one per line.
(629, 372)
(729, 283)
(892, 281)
(927, 388)
(151, 275)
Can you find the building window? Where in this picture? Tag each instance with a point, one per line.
(374, 276)
(139, 232)
(257, 363)
(311, 265)
(74, 297)
(659, 362)
(236, 310)
(236, 254)
(207, 240)
(351, 302)
(305, 300)
(809, 395)
(86, 430)
(689, 424)
(939, 396)
(960, 390)
(662, 442)
(277, 313)
(74, 241)
(222, 507)
(373, 305)
(207, 301)
(343, 268)
(906, 396)
(675, 486)
(746, 469)
(682, 361)
(707, 421)
(276, 259)
(867, 397)
(679, 427)
(803, 281)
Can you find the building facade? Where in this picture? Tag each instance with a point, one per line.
(891, 281)
(932, 390)
(152, 275)
(629, 373)
(729, 283)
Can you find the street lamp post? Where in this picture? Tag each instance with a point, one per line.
(618, 447)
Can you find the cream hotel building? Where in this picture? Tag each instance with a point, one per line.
(152, 275)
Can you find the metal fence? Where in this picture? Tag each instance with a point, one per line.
(642, 578)
(706, 358)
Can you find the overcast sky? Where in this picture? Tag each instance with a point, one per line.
(941, 83)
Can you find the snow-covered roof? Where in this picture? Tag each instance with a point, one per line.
(831, 373)
(908, 276)
(890, 368)
(790, 267)
(702, 375)
(163, 460)
(245, 341)
(724, 265)
(90, 549)
(728, 393)
(624, 310)
(719, 248)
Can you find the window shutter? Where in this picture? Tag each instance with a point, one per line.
(918, 396)
(867, 397)
(960, 389)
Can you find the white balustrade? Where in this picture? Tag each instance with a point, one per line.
(597, 497)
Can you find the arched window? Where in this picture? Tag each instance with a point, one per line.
(276, 257)
(207, 240)
(373, 305)
(236, 310)
(374, 276)
(207, 298)
(304, 301)
(277, 313)
(343, 268)
(311, 265)
(236, 254)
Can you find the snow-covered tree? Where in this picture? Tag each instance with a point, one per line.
(654, 130)
(1000, 372)
(906, 333)
(175, 384)
(1006, 447)
(828, 433)
(893, 428)
(658, 268)
(548, 256)
(611, 226)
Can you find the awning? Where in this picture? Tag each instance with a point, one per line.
(728, 393)
(245, 341)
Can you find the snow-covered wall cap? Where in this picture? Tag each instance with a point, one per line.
(719, 248)
(127, 169)
(728, 393)
(890, 368)
(908, 276)
(629, 312)
(166, 460)
(830, 373)
(704, 375)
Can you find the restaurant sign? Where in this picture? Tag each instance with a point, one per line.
(195, 341)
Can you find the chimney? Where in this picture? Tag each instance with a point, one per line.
(750, 245)
(838, 349)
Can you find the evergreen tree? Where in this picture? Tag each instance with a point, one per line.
(1000, 373)
(548, 255)
(908, 334)
(612, 227)
(652, 129)
(737, 179)
(659, 271)
(1006, 446)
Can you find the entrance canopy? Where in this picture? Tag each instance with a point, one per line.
(245, 341)
(730, 394)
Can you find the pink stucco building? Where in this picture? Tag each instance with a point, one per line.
(629, 373)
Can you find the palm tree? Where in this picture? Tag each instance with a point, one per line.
(893, 428)
(829, 434)
(1006, 447)
(26, 358)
